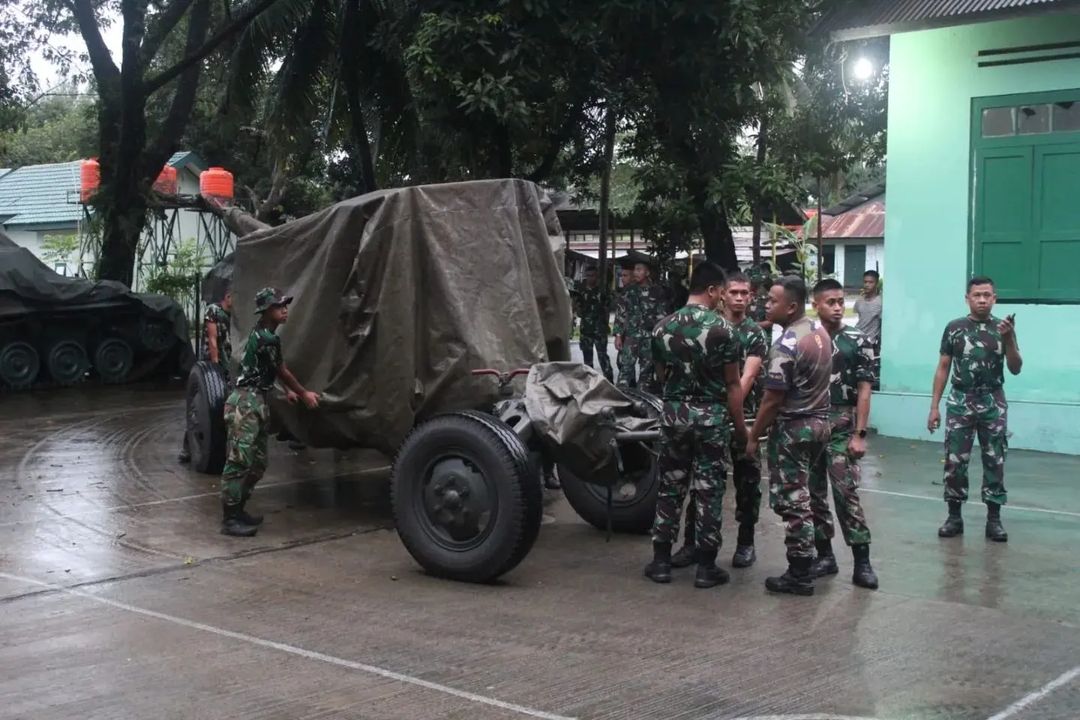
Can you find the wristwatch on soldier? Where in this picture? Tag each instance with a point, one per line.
(862, 433)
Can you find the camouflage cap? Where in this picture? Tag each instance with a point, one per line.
(270, 297)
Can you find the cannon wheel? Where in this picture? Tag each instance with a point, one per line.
(67, 362)
(466, 501)
(113, 360)
(206, 390)
(19, 365)
(633, 503)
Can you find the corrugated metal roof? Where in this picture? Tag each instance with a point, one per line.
(41, 195)
(864, 221)
(186, 157)
(873, 18)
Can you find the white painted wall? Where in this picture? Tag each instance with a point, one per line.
(875, 255)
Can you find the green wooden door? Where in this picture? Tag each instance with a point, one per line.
(1056, 221)
(854, 265)
(1003, 180)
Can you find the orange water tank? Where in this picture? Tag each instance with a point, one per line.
(89, 179)
(167, 182)
(216, 182)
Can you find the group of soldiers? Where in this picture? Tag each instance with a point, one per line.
(247, 411)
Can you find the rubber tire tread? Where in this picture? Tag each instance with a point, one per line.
(636, 519)
(525, 499)
(209, 381)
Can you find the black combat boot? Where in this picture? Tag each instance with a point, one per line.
(708, 574)
(234, 525)
(247, 518)
(744, 555)
(994, 529)
(659, 570)
(685, 557)
(825, 562)
(796, 581)
(864, 575)
(184, 457)
(954, 524)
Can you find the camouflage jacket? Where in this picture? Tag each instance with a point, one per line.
(261, 359)
(694, 344)
(978, 354)
(800, 364)
(592, 307)
(217, 315)
(756, 309)
(639, 309)
(751, 342)
(854, 361)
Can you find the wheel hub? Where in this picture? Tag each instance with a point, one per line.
(457, 501)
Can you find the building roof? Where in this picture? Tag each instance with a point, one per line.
(860, 216)
(41, 195)
(874, 18)
(186, 158)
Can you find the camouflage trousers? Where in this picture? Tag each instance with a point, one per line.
(599, 344)
(694, 459)
(837, 468)
(246, 415)
(795, 446)
(967, 415)
(746, 477)
(635, 362)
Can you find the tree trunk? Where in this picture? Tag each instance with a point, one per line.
(712, 219)
(350, 80)
(759, 203)
(610, 125)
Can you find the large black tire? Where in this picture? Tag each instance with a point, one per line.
(207, 388)
(466, 501)
(67, 362)
(19, 365)
(113, 360)
(633, 505)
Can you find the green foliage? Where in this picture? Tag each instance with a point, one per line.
(179, 278)
(56, 129)
(60, 248)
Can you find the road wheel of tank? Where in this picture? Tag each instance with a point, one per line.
(19, 365)
(113, 360)
(207, 388)
(156, 335)
(633, 496)
(466, 501)
(67, 362)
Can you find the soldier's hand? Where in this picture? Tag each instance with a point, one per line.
(934, 421)
(857, 447)
(618, 342)
(291, 397)
(311, 399)
(1006, 327)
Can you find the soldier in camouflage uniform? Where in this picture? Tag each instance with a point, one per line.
(854, 363)
(697, 359)
(625, 362)
(592, 308)
(760, 282)
(642, 306)
(215, 348)
(797, 391)
(977, 348)
(746, 469)
(247, 411)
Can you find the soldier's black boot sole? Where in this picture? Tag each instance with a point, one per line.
(796, 581)
(248, 519)
(995, 531)
(684, 558)
(863, 575)
(184, 457)
(744, 556)
(953, 526)
(658, 572)
(238, 528)
(825, 565)
(708, 576)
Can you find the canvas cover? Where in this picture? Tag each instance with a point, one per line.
(399, 295)
(27, 284)
(565, 402)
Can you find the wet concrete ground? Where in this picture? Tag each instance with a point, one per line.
(119, 599)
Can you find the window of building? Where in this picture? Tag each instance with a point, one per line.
(828, 259)
(1025, 226)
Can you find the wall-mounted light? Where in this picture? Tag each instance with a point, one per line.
(863, 69)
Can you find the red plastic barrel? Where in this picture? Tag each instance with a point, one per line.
(89, 179)
(216, 182)
(167, 183)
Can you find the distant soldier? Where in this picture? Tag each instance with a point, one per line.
(215, 348)
(697, 361)
(592, 308)
(977, 347)
(797, 393)
(760, 282)
(247, 411)
(644, 308)
(746, 469)
(623, 358)
(854, 363)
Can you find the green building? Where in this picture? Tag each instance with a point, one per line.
(984, 178)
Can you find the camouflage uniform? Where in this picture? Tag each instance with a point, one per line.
(746, 470)
(799, 365)
(625, 359)
(975, 404)
(222, 320)
(853, 361)
(247, 413)
(592, 308)
(643, 307)
(694, 344)
(756, 309)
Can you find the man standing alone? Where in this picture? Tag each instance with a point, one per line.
(796, 392)
(592, 307)
(868, 308)
(977, 348)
